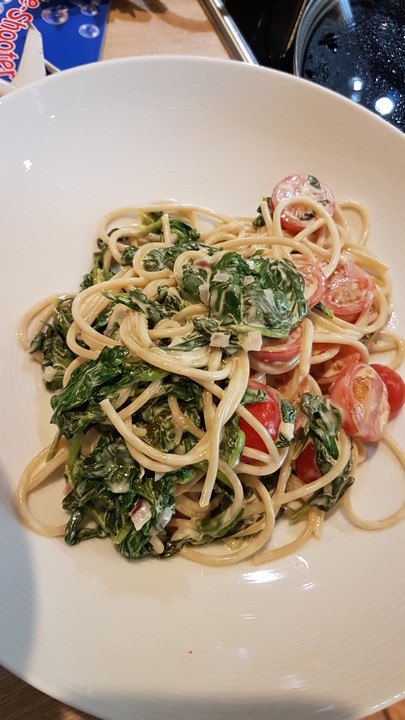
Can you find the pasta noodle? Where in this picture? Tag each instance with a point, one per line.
(191, 327)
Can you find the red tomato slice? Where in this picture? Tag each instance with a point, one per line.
(296, 217)
(315, 281)
(362, 398)
(349, 290)
(267, 412)
(395, 387)
(305, 465)
(327, 372)
(279, 350)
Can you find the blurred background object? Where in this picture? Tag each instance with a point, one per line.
(357, 48)
(354, 47)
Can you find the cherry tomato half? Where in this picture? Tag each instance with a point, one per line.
(305, 464)
(395, 387)
(296, 217)
(349, 290)
(315, 281)
(268, 414)
(362, 398)
(279, 350)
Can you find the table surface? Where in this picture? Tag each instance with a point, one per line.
(135, 28)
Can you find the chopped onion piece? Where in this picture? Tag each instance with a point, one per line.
(49, 373)
(165, 516)
(204, 292)
(252, 341)
(141, 514)
(157, 544)
(222, 277)
(219, 340)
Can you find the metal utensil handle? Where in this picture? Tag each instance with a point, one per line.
(229, 32)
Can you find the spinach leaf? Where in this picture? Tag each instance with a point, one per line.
(253, 395)
(226, 289)
(192, 279)
(185, 390)
(98, 273)
(97, 379)
(159, 496)
(275, 298)
(259, 220)
(136, 300)
(255, 295)
(109, 486)
(327, 498)
(181, 230)
(232, 442)
(111, 464)
(51, 342)
(286, 432)
(204, 329)
(152, 223)
(217, 525)
(185, 238)
(272, 299)
(184, 232)
(324, 310)
(127, 256)
(77, 421)
(88, 377)
(169, 300)
(314, 181)
(156, 417)
(322, 427)
(158, 424)
(182, 475)
(269, 300)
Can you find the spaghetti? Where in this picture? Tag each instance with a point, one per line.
(198, 375)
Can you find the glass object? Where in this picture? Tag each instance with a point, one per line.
(356, 48)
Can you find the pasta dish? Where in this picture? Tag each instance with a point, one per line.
(215, 375)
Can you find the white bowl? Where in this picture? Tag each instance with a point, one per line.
(321, 633)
